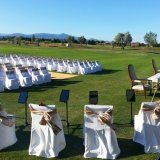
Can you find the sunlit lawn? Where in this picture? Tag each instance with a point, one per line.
(111, 84)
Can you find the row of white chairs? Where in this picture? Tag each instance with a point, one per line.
(14, 77)
(54, 64)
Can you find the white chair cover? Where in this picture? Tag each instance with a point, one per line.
(7, 134)
(1, 60)
(155, 78)
(147, 129)
(49, 65)
(93, 67)
(11, 81)
(61, 67)
(31, 62)
(40, 64)
(46, 76)
(15, 61)
(25, 79)
(52, 64)
(75, 64)
(43, 141)
(55, 64)
(82, 69)
(71, 68)
(36, 77)
(99, 66)
(99, 140)
(23, 62)
(89, 70)
(1, 84)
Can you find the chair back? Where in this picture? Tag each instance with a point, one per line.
(154, 66)
(132, 73)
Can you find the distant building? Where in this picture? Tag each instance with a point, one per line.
(68, 44)
(135, 44)
(107, 42)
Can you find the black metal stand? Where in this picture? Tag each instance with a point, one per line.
(67, 121)
(26, 116)
(23, 100)
(64, 96)
(131, 122)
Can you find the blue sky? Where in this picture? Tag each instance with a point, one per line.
(101, 19)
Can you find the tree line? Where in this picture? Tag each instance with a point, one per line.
(121, 39)
(33, 40)
(125, 39)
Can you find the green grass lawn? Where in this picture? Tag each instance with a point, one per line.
(111, 84)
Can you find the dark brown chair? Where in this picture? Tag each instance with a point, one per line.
(155, 67)
(139, 85)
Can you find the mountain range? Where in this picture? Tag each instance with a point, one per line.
(61, 36)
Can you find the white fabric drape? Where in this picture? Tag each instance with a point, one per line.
(100, 141)
(7, 133)
(147, 129)
(43, 141)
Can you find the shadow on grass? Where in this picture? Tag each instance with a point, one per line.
(129, 148)
(74, 127)
(106, 71)
(123, 125)
(23, 140)
(154, 52)
(73, 148)
(44, 87)
(132, 49)
(157, 94)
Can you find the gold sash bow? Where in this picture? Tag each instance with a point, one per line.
(155, 110)
(47, 118)
(5, 120)
(103, 118)
(156, 113)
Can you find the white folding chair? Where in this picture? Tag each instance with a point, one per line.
(46, 76)
(147, 128)
(100, 140)
(36, 77)
(11, 81)
(47, 137)
(7, 130)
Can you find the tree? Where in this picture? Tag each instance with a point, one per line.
(113, 44)
(127, 38)
(82, 40)
(123, 39)
(17, 40)
(33, 38)
(120, 40)
(91, 42)
(37, 41)
(151, 39)
(70, 39)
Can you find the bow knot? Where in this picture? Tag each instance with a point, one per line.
(48, 119)
(155, 110)
(5, 120)
(156, 113)
(103, 118)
